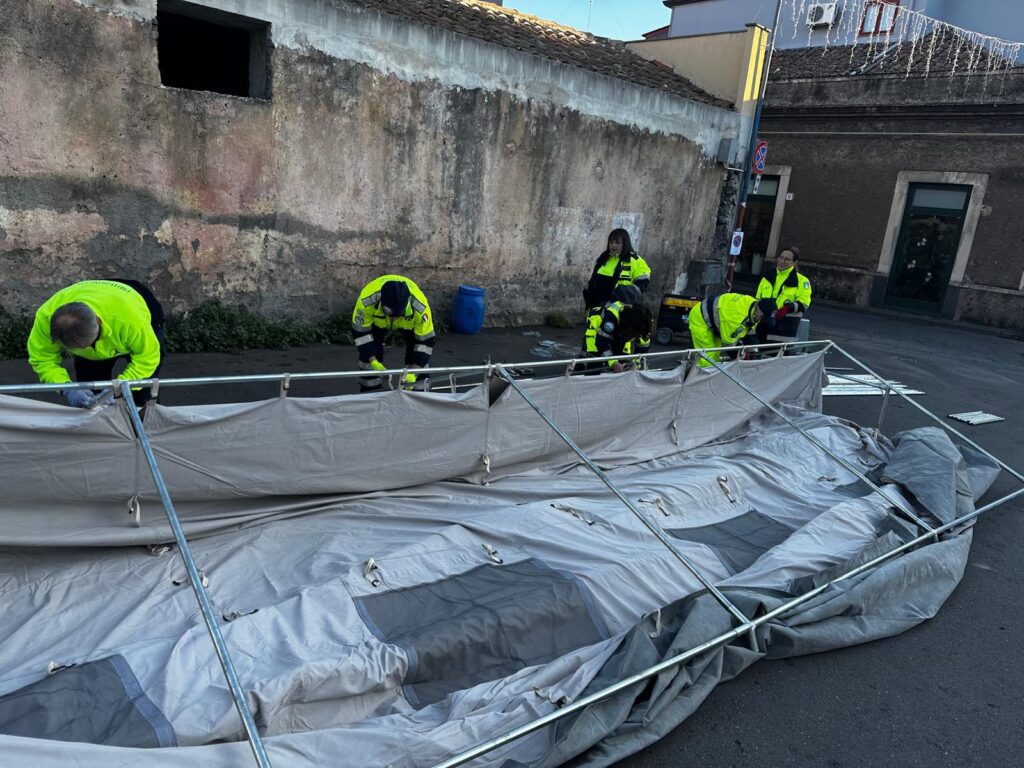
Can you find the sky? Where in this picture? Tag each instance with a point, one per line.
(621, 19)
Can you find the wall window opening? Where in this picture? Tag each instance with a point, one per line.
(204, 49)
(879, 17)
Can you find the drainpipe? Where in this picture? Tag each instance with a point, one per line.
(755, 126)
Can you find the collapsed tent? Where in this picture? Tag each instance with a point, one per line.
(401, 576)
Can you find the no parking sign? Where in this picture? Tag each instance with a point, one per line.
(759, 157)
(737, 243)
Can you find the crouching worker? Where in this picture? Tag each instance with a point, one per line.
(621, 327)
(98, 322)
(724, 321)
(392, 302)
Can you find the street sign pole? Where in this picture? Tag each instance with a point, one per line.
(741, 213)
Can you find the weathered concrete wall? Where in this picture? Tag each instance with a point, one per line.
(356, 167)
(847, 142)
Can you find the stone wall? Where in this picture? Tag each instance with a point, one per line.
(508, 177)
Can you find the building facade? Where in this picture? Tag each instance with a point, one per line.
(896, 168)
(847, 21)
(282, 154)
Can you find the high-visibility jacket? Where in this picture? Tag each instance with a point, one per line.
(787, 285)
(126, 329)
(417, 319)
(727, 317)
(610, 271)
(599, 339)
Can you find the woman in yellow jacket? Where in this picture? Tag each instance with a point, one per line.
(791, 293)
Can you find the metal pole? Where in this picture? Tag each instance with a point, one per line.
(821, 446)
(202, 597)
(320, 376)
(723, 601)
(754, 129)
(571, 709)
(934, 418)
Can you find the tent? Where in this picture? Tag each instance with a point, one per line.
(524, 572)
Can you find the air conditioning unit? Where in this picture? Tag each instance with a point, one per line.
(822, 14)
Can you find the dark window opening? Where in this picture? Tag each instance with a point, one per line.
(204, 49)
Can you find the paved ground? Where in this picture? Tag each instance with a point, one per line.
(948, 693)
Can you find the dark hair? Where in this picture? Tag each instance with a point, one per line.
(74, 325)
(635, 321)
(794, 250)
(623, 235)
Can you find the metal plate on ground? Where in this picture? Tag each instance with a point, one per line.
(976, 417)
(863, 384)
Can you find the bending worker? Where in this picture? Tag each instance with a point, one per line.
(98, 322)
(791, 292)
(619, 264)
(724, 321)
(392, 302)
(621, 327)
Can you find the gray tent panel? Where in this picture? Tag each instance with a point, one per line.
(482, 625)
(100, 702)
(739, 541)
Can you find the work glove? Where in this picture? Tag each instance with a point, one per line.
(784, 310)
(105, 397)
(79, 398)
(377, 365)
(410, 382)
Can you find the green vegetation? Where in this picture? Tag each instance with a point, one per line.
(215, 327)
(14, 330)
(212, 327)
(557, 320)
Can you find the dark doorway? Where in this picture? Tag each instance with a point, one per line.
(926, 247)
(757, 231)
(204, 49)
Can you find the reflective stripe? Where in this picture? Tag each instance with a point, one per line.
(371, 299)
(426, 337)
(711, 317)
(424, 348)
(602, 334)
(417, 305)
(360, 340)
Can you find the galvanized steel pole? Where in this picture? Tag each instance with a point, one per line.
(722, 600)
(255, 742)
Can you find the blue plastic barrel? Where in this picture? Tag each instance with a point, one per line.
(468, 312)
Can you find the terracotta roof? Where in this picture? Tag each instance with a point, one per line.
(931, 56)
(532, 34)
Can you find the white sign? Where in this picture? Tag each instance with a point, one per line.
(737, 243)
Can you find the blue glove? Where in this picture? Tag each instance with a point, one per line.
(79, 398)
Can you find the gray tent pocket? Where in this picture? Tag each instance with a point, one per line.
(100, 702)
(738, 541)
(482, 625)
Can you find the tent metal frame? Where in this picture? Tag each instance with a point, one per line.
(744, 626)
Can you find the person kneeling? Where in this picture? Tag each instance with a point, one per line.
(621, 327)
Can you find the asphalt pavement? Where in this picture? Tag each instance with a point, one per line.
(948, 693)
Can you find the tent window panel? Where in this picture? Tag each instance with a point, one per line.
(482, 625)
(739, 541)
(100, 702)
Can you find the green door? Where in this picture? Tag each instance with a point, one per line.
(926, 247)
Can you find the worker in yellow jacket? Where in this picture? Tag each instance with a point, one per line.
(617, 265)
(791, 292)
(724, 321)
(621, 327)
(98, 322)
(392, 302)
